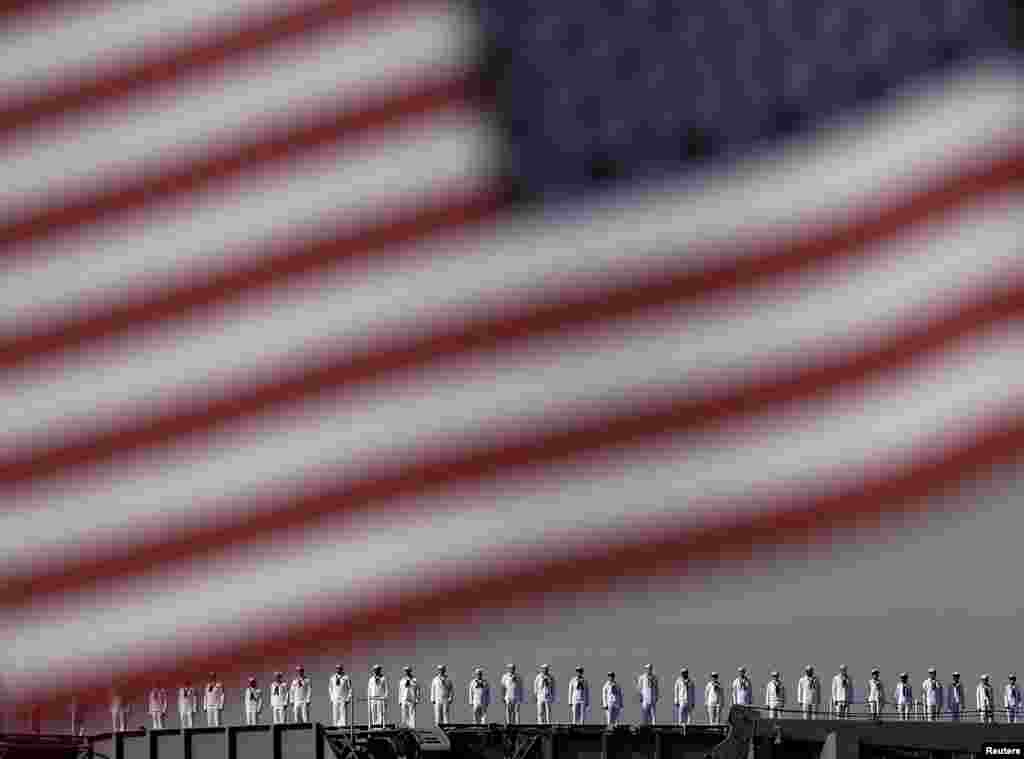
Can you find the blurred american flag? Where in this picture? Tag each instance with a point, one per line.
(325, 320)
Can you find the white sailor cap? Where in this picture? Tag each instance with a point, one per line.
(478, 671)
(407, 668)
(932, 670)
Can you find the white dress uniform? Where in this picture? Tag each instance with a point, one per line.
(339, 688)
(279, 698)
(213, 703)
(842, 694)
(931, 694)
(713, 702)
(188, 705)
(301, 695)
(408, 698)
(513, 693)
(579, 700)
(1012, 701)
(742, 691)
(252, 700)
(119, 710)
(158, 707)
(647, 687)
(774, 697)
(442, 693)
(904, 698)
(377, 693)
(479, 692)
(808, 695)
(986, 702)
(612, 702)
(545, 694)
(683, 699)
(876, 696)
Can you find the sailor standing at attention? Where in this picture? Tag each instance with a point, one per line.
(1011, 699)
(955, 698)
(684, 699)
(742, 690)
(544, 693)
(903, 697)
(513, 692)
(252, 700)
(408, 698)
(442, 693)
(931, 693)
(377, 692)
(611, 700)
(876, 694)
(713, 699)
(119, 709)
(158, 707)
(339, 688)
(842, 693)
(479, 697)
(279, 694)
(579, 698)
(188, 704)
(301, 695)
(986, 701)
(647, 688)
(775, 696)
(213, 700)
(808, 692)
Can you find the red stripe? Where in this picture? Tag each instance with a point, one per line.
(157, 68)
(552, 312)
(669, 550)
(169, 181)
(443, 464)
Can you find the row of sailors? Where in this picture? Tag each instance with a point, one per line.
(298, 695)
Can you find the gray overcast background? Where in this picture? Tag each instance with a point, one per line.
(946, 591)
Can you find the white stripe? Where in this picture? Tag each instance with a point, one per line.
(763, 332)
(365, 559)
(456, 273)
(77, 38)
(273, 89)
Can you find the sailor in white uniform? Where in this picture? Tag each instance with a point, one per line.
(188, 704)
(213, 701)
(513, 694)
(158, 707)
(775, 696)
(842, 693)
(479, 693)
(442, 693)
(986, 701)
(120, 708)
(408, 697)
(955, 698)
(875, 694)
(301, 695)
(1012, 699)
(904, 697)
(808, 692)
(339, 689)
(742, 690)
(377, 693)
(252, 701)
(579, 698)
(544, 693)
(713, 699)
(279, 698)
(683, 698)
(612, 700)
(931, 693)
(647, 688)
